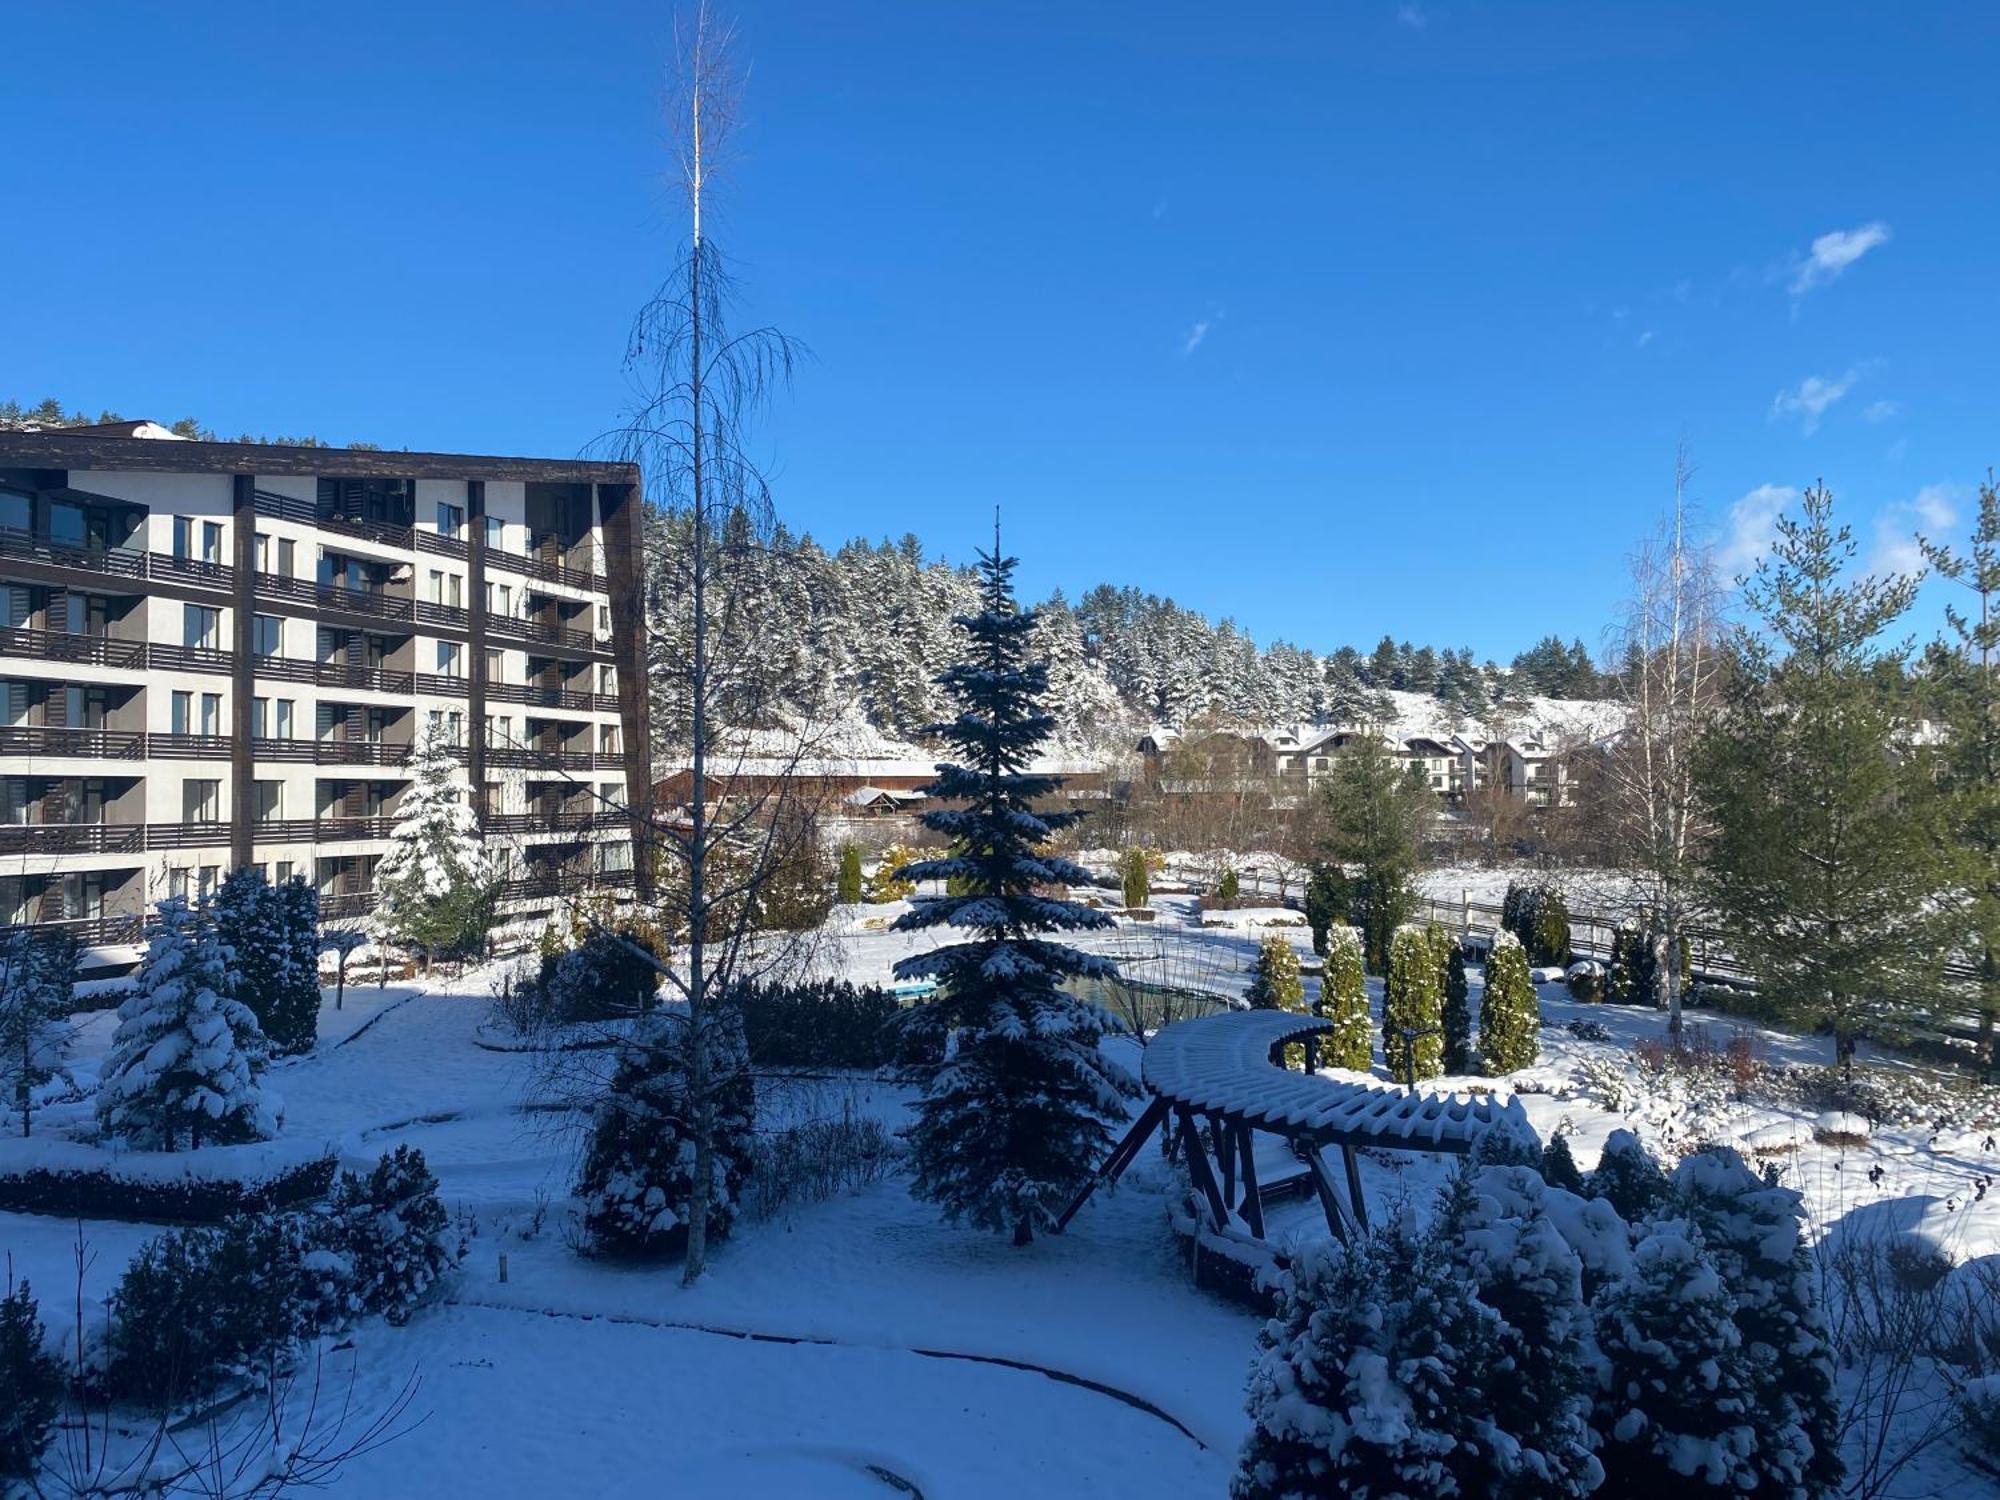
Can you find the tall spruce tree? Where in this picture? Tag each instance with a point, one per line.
(1962, 672)
(1013, 1123)
(1376, 813)
(1829, 857)
(436, 888)
(37, 985)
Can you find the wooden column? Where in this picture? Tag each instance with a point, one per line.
(475, 631)
(243, 677)
(621, 513)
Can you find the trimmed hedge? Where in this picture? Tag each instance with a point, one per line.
(105, 1193)
(827, 1024)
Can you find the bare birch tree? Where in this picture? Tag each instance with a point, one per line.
(1669, 646)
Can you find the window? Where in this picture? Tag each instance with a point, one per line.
(496, 533)
(198, 540)
(500, 599)
(496, 664)
(283, 871)
(211, 541)
(604, 619)
(607, 679)
(66, 523)
(282, 725)
(183, 537)
(451, 659)
(454, 591)
(211, 713)
(270, 801)
(177, 882)
(201, 800)
(201, 626)
(267, 635)
(607, 739)
(288, 555)
(182, 714)
(206, 881)
(455, 727)
(271, 718)
(451, 519)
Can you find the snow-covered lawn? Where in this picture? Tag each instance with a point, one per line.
(845, 1347)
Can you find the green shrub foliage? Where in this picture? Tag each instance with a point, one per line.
(847, 885)
(831, 1024)
(1343, 993)
(1627, 1177)
(1457, 1015)
(604, 976)
(1413, 1002)
(31, 1387)
(1229, 887)
(1510, 1014)
(1135, 878)
(1539, 916)
(1326, 902)
(397, 1235)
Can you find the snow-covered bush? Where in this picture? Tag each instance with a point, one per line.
(1274, 979)
(1559, 1167)
(37, 985)
(1628, 1178)
(1676, 1399)
(638, 1166)
(395, 1234)
(1228, 888)
(1539, 917)
(1754, 1231)
(184, 1060)
(1441, 1361)
(31, 1386)
(204, 1305)
(1585, 981)
(1510, 1013)
(1343, 992)
(815, 1160)
(1413, 1008)
(888, 882)
(1135, 878)
(602, 977)
(1981, 1404)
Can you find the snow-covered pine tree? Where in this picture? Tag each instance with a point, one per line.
(1627, 1177)
(1675, 1399)
(1531, 1399)
(1457, 1014)
(1360, 1383)
(1559, 1169)
(638, 1168)
(1016, 1119)
(1343, 991)
(1510, 1012)
(1412, 1008)
(294, 1024)
(184, 1060)
(37, 980)
(436, 888)
(250, 925)
(396, 1234)
(1754, 1231)
(32, 1382)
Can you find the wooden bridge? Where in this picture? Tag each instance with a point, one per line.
(1217, 1080)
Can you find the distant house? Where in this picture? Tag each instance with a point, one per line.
(1531, 769)
(854, 786)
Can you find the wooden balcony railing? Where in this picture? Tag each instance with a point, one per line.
(93, 744)
(85, 650)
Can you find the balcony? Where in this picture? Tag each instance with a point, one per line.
(346, 904)
(542, 697)
(71, 838)
(336, 598)
(552, 572)
(86, 650)
(357, 752)
(547, 635)
(449, 616)
(93, 744)
(187, 746)
(557, 822)
(443, 546)
(532, 759)
(338, 674)
(117, 562)
(165, 658)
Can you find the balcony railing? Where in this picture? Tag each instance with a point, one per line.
(215, 835)
(91, 932)
(338, 597)
(346, 904)
(553, 572)
(57, 645)
(187, 746)
(52, 739)
(536, 696)
(383, 533)
(166, 658)
(338, 674)
(443, 546)
(358, 752)
(538, 760)
(559, 822)
(534, 630)
(450, 616)
(118, 562)
(71, 838)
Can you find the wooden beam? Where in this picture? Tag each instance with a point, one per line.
(1222, 1140)
(1253, 1202)
(1355, 1200)
(1198, 1169)
(1329, 1200)
(1121, 1157)
(242, 671)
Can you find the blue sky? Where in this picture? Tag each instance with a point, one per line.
(1336, 318)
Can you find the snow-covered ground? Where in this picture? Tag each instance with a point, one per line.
(845, 1342)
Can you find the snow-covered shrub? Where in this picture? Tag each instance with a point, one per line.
(1510, 1012)
(396, 1234)
(1981, 1402)
(1457, 1015)
(1634, 975)
(1361, 1382)
(1676, 1399)
(827, 1023)
(1539, 917)
(37, 984)
(271, 937)
(1343, 1000)
(184, 1061)
(602, 977)
(31, 1386)
(1585, 981)
(1413, 1008)
(201, 1306)
(1628, 1178)
(1228, 889)
(1754, 1231)
(1275, 985)
(1588, 1031)
(638, 1166)
(295, 1015)
(1326, 903)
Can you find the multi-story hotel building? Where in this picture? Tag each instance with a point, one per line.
(221, 654)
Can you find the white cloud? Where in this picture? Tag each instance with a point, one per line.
(1929, 512)
(1881, 411)
(1753, 525)
(1413, 16)
(1809, 400)
(1832, 253)
(1194, 337)
(1645, 338)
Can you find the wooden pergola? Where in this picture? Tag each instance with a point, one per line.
(1217, 1080)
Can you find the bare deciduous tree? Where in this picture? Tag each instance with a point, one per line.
(1668, 647)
